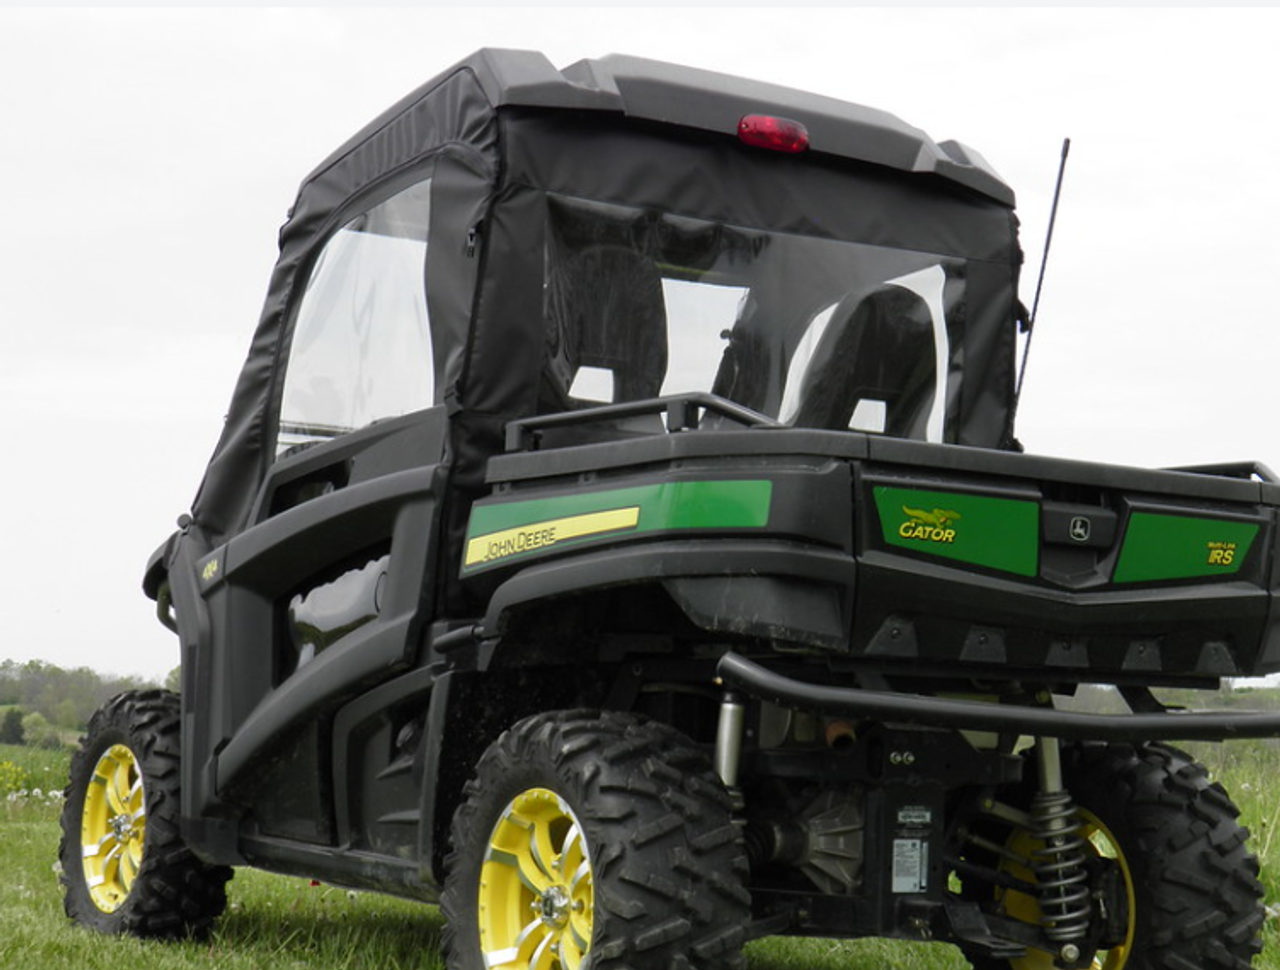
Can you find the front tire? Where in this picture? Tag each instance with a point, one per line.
(597, 840)
(124, 865)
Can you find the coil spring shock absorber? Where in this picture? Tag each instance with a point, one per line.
(1059, 862)
(1059, 867)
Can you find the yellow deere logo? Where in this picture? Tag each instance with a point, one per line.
(932, 526)
(210, 570)
(542, 535)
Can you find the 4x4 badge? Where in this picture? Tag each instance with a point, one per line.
(1081, 528)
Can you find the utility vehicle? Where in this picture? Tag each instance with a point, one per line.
(618, 535)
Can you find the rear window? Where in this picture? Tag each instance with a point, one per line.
(812, 332)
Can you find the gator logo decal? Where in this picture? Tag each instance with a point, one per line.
(990, 531)
(932, 526)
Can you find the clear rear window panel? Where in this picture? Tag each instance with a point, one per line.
(811, 331)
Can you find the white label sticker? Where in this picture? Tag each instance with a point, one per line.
(910, 862)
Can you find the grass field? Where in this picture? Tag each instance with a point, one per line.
(277, 923)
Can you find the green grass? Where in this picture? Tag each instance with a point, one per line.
(44, 768)
(278, 923)
(797, 954)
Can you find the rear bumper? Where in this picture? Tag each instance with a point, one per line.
(742, 674)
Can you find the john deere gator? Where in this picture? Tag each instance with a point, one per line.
(618, 536)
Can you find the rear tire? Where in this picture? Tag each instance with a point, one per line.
(124, 865)
(597, 840)
(1195, 902)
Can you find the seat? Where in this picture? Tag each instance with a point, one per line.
(877, 347)
(607, 311)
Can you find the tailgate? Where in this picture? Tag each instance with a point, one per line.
(1031, 566)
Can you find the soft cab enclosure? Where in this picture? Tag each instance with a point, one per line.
(607, 226)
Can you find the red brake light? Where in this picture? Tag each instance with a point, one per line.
(776, 134)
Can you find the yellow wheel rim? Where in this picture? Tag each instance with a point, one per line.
(536, 889)
(113, 828)
(1026, 908)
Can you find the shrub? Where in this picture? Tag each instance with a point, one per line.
(11, 727)
(39, 732)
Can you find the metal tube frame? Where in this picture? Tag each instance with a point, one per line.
(737, 671)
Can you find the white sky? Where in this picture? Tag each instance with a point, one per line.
(148, 156)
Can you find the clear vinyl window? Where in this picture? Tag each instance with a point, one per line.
(361, 345)
(814, 332)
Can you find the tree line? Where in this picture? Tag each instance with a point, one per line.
(41, 701)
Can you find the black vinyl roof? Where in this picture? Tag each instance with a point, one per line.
(656, 91)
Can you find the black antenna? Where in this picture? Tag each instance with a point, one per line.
(1044, 261)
